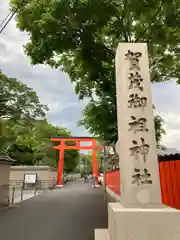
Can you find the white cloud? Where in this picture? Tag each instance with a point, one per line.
(52, 86)
(167, 102)
(55, 89)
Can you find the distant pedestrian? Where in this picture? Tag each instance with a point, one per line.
(93, 181)
(89, 177)
(85, 178)
(101, 179)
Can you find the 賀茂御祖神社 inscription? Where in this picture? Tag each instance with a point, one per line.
(135, 101)
(142, 149)
(134, 59)
(141, 178)
(137, 151)
(138, 125)
(135, 81)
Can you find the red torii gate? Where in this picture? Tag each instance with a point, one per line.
(62, 146)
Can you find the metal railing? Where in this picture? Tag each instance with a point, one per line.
(17, 191)
(20, 193)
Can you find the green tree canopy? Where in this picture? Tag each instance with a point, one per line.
(17, 101)
(100, 119)
(22, 135)
(35, 138)
(31, 144)
(81, 36)
(86, 163)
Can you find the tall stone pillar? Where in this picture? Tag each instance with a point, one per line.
(140, 214)
(140, 185)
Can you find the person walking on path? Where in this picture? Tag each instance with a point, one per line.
(94, 181)
(89, 177)
(85, 178)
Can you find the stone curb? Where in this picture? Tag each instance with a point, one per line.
(113, 195)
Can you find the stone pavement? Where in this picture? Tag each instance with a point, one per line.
(71, 213)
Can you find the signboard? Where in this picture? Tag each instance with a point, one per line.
(111, 150)
(30, 178)
(117, 148)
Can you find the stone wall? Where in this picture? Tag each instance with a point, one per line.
(4, 174)
(46, 176)
(5, 163)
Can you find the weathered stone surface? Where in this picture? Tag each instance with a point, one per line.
(5, 163)
(143, 224)
(140, 186)
(101, 234)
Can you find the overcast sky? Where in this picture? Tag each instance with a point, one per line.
(55, 89)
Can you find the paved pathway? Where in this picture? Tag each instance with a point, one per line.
(71, 213)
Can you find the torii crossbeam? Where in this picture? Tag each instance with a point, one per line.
(62, 146)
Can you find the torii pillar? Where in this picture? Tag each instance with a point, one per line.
(60, 165)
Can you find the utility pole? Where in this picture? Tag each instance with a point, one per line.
(103, 158)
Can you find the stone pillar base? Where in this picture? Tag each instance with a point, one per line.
(102, 234)
(141, 224)
(59, 186)
(96, 186)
